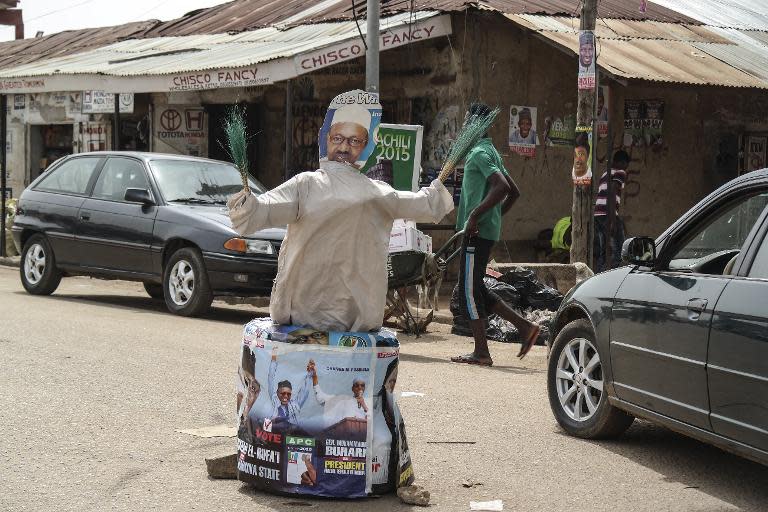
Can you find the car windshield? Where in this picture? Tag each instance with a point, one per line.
(198, 181)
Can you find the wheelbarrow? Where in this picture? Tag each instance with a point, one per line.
(414, 268)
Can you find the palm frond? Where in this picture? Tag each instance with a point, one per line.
(237, 141)
(471, 131)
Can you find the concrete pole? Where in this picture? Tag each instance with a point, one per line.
(3, 183)
(372, 53)
(582, 209)
(116, 125)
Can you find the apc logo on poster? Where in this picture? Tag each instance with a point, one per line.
(300, 441)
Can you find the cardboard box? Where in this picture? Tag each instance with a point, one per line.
(409, 239)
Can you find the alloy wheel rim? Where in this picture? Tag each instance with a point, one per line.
(579, 379)
(34, 264)
(181, 283)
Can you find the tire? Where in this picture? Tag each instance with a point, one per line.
(186, 288)
(37, 268)
(154, 290)
(578, 398)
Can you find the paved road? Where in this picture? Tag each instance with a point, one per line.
(96, 379)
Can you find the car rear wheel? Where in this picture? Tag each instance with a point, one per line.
(576, 388)
(185, 283)
(38, 271)
(154, 290)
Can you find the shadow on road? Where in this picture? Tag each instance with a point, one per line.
(388, 502)
(695, 465)
(149, 305)
(520, 370)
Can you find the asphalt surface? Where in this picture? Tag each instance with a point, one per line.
(96, 379)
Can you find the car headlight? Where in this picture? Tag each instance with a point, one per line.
(247, 246)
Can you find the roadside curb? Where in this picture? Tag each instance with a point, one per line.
(11, 261)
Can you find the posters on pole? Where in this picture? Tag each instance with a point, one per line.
(349, 132)
(317, 412)
(562, 131)
(603, 101)
(100, 102)
(582, 156)
(522, 130)
(586, 59)
(643, 122)
(396, 158)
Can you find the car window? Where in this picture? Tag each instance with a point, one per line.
(722, 235)
(70, 177)
(759, 267)
(198, 180)
(118, 175)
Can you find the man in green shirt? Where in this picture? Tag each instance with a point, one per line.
(487, 193)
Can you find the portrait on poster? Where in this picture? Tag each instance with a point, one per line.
(603, 100)
(586, 59)
(582, 156)
(522, 130)
(350, 130)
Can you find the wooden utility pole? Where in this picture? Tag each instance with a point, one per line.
(583, 202)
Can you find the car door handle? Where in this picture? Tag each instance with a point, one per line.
(85, 216)
(697, 305)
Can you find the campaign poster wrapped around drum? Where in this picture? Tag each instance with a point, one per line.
(317, 412)
(396, 159)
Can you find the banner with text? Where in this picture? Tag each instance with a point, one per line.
(396, 159)
(317, 413)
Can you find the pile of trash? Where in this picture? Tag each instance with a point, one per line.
(522, 291)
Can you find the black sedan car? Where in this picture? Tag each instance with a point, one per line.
(159, 219)
(680, 335)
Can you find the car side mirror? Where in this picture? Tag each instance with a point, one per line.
(138, 195)
(640, 251)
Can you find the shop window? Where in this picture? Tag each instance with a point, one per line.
(70, 177)
(118, 175)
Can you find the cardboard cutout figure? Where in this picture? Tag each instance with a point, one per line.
(332, 264)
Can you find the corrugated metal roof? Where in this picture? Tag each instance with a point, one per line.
(23, 51)
(676, 53)
(169, 55)
(744, 14)
(8, 4)
(242, 15)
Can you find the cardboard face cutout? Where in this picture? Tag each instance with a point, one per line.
(351, 128)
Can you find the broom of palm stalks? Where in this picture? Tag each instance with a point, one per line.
(474, 127)
(237, 142)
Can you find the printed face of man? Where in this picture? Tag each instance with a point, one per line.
(284, 395)
(346, 142)
(586, 54)
(581, 154)
(525, 127)
(358, 388)
(309, 337)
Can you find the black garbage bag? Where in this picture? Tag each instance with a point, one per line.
(545, 298)
(504, 291)
(522, 280)
(501, 330)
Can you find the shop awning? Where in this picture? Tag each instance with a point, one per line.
(202, 62)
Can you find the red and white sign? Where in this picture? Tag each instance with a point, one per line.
(354, 48)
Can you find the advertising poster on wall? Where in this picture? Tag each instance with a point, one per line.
(633, 122)
(562, 131)
(318, 414)
(522, 130)
(586, 59)
(396, 159)
(100, 102)
(603, 101)
(756, 152)
(653, 122)
(350, 130)
(582, 156)
(181, 129)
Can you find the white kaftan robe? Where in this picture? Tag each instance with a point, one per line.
(331, 271)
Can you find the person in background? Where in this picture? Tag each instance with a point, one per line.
(621, 161)
(487, 192)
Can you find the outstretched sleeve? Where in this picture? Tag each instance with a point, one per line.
(320, 395)
(276, 208)
(430, 204)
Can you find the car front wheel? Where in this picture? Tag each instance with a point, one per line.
(38, 271)
(185, 283)
(575, 386)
